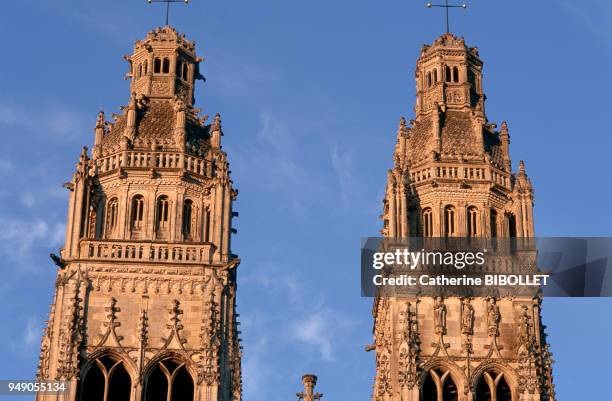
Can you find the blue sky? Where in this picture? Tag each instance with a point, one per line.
(310, 95)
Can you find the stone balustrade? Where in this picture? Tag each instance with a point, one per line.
(118, 250)
(144, 159)
(463, 172)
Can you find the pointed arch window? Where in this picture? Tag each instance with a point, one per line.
(428, 79)
(162, 214)
(435, 76)
(185, 71)
(439, 386)
(472, 221)
(146, 67)
(207, 225)
(447, 75)
(112, 217)
(427, 222)
(187, 219)
(157, 65)
(493, 386)
(106, 379)
(449, 221)
(166, 66)
(493, 223)
(137, 219)
(455, 74)
(169, 380)
(139, 71)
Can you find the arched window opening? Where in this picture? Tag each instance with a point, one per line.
(185, 71)
(427, 223)
(137, 221)
(472, 221)
(166, 66)
(439, 386)
(435, 76)
(447, 75)
(146, 67)
(449, 221)
(493, 223)
(207, 225)
(169, 381)
(493, 386)
(157, 65)
(162, 214)
(106, 380)
(511, 225)
(455, 74)
(187, 219)
(178, 68)
(139, 71)
(112, 217)
(429, 79)
(471, 79)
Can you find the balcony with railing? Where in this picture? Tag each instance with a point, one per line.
(130, 251)
(144, 159)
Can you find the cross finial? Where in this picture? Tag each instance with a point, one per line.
(168, 5)
(446, 6)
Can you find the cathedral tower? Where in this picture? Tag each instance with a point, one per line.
(144, 304)
(452, 177)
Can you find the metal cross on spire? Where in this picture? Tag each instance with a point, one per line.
(168, 5)
(446, 6)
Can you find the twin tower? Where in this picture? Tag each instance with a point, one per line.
(145, 298)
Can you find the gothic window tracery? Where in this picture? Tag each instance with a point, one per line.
(112, 217)
(493, 386)
(449, 221)
(169, 380)
(162, 215)
(472, 221)
(137, 219)
(439, 386)
(106, 380)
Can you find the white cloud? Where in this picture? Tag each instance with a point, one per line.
(27, 199)
(32, 332)
(315, 330)
(18, 237)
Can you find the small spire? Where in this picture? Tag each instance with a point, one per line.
(504, 127)
(522, 167)
(100, 122)
(309, 381)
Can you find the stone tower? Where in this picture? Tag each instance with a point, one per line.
(145, 297)
(452, 177)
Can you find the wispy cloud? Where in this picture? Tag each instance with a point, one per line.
(18, 237)
(54, 120)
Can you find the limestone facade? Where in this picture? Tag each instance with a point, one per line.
(452, 177)
(145, 297)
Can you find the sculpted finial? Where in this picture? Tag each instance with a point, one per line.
(521, 167)
(100, 122)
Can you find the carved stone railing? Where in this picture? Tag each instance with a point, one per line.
(460, 172)
(131, 251)
(144, 159)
